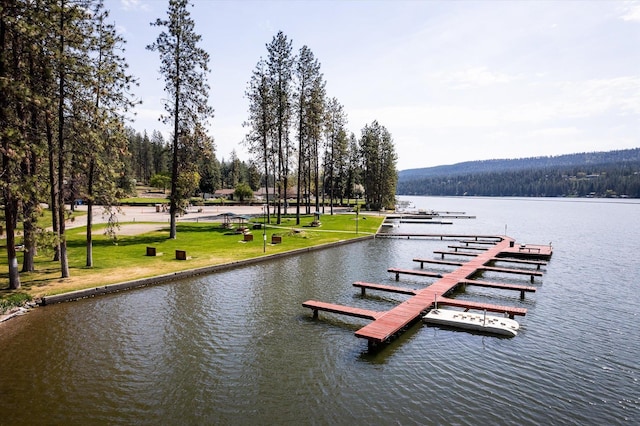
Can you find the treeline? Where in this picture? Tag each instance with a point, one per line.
(149, 162)
(619, 179)
(501, 165)
(298, 141)
(297, 133)
(65, 92)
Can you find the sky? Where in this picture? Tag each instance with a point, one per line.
(452, 81)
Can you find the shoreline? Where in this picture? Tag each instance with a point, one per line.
(151, 219)
(160, 279)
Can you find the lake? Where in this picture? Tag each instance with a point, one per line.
(238, 348)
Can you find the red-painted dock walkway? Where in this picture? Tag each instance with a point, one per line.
(385, 325)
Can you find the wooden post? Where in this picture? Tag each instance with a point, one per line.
(181, 255)
(315, 314)
(521, 294)
(151, 251)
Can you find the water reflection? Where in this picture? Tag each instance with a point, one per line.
(238, 348)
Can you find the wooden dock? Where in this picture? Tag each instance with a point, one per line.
(387, 324)
(390, 288)
(437, 262)
(399, 271)
(341, 309)
(467, 247)
(521, 288)
(478, 239)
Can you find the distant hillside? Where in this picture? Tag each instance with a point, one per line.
(599, 174)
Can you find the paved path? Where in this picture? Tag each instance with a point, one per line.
(148, 214)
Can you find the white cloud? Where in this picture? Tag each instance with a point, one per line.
(631, 12)
(562, 101)
(555, 132)
(134, 5)
(473, 77)
(463, 81)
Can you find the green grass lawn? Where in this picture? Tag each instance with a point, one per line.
(206, 244)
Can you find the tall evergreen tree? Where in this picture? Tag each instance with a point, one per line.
(25, 66)
(184, 66)
(316, 118)
(380, 175)
(10, 136)
(72, 66)
(309, 83)
(159, 154)
(335, 122)
(354, 166)
(260, 123)
(104, 134)
(280, 62)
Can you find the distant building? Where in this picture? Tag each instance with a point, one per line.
(261, 193)
(224, 193)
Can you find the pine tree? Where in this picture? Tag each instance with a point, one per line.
(184, 66)
(280, 62)
(310, 91)
(108, 97)
(260, 123)
(335, 122)
(72, 67)
(380, 175)
(10, 136)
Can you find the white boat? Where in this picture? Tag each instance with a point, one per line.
(472, 321)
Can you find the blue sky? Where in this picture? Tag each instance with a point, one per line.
(452, 81)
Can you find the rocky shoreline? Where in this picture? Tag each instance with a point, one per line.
(17, 311)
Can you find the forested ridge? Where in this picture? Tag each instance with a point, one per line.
(595, 174)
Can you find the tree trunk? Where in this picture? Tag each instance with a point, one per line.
(173, 208)
(10, 204)
(266, 178)
(317, 176)
(173, 198)
(53, 189)
(29, 168)
(11, 214)
(89, 262)
(300, 159)
(64, 262)
(29, 230)
(309, 168)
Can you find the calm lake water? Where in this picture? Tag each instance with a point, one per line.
(238, 347)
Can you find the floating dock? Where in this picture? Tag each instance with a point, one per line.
(387, 324)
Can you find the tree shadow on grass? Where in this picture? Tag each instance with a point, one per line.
(154, 237)
(188, 227)
(121, 241)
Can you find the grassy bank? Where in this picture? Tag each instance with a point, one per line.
(205, 244)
